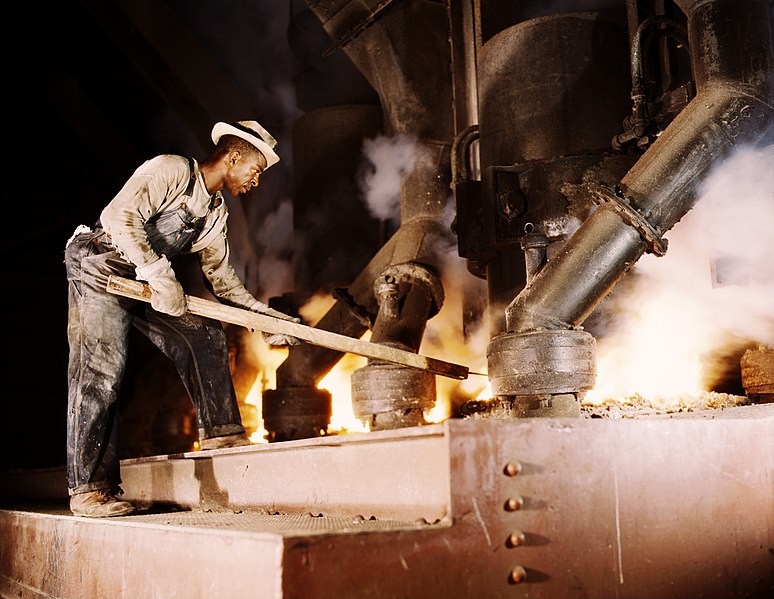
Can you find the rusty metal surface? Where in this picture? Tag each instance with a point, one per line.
(76, 558)
(668, 508)
(758, 372)
(338, 476)
(674, 508)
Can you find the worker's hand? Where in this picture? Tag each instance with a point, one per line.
(277, 339)
(280, 339)
(167, 294)
(277, 314)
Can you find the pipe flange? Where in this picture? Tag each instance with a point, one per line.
(379, 388)
(622, 206)
(550, 362)
(407, 273)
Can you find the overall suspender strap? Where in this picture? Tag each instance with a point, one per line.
(216, 198)
(191, 177)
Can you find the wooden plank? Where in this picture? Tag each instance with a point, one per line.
(261, 322)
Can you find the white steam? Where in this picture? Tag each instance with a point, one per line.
(275, 271)
(390, 161)
(721, 254)
(711, 292)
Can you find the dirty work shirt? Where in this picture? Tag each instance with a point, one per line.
(164, 207)
(155, 196)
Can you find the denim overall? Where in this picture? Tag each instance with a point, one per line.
(98, 328)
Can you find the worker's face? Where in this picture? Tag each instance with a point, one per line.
(244, 171)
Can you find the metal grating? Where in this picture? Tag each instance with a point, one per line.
(287, 525)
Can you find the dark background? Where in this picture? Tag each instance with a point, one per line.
(92, 90)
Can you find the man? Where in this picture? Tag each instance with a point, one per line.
(169, 206)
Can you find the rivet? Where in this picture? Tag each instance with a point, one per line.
(515, 539)
(517, 575)
(513, 503)
(512, 468)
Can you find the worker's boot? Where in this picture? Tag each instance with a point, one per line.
(101, 503)
(236, 440)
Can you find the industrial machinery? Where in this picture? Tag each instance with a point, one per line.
(548, 147)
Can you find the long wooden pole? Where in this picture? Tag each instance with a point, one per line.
(269, 324)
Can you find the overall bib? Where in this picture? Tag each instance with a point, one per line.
(98, 328)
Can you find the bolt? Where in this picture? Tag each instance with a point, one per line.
(513, 504)
(515, 539)
(517, 575)
(512, 468)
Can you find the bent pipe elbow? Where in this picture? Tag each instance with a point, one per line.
(662, 187)
(733, 69)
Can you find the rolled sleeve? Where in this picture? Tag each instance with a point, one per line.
(225, 284)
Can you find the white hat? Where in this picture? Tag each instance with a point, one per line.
(252, 132)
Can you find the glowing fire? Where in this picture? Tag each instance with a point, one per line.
(444, 338)
(337, 381)
(268, 359)
(656, 352)
(666, 323)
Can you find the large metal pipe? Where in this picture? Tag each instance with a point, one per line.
(553, 90)
(731, 53)
(416, 102)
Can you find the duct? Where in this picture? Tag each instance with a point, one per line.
(551, 99)
(415, 104)
(352, 314)
(733, 71)
(464, 41)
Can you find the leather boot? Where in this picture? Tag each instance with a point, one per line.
(236, 440)
(101, 503)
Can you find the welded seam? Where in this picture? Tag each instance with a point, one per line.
(481, 521)
(618, 526)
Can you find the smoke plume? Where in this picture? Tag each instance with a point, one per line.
(721, 253)
(711, 294)
(389, 161)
